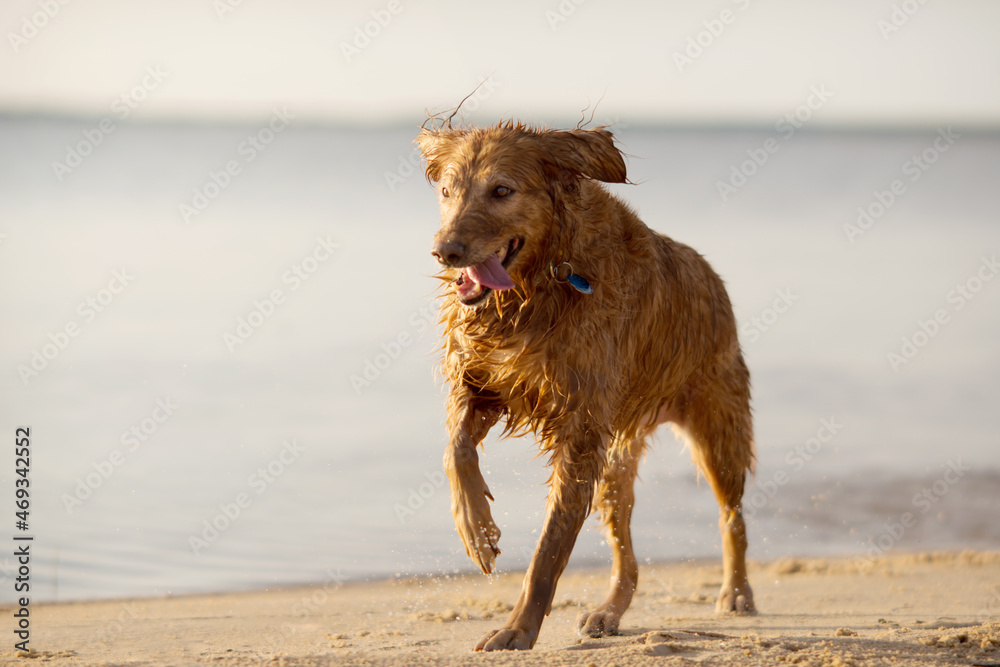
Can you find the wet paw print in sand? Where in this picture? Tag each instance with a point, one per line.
(663, 643)
(468, 610)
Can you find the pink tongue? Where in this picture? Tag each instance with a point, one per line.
(491, 273)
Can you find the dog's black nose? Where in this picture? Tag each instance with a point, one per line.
(449, 253)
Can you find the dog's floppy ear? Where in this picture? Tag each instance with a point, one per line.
(436, 146)
(590, 153)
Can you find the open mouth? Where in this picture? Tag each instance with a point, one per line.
(476, 281)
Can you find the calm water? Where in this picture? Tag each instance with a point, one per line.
(213, 370)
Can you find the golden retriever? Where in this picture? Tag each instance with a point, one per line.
(566, 316)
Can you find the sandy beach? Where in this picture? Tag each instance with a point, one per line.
(222, 352)
(915, 609)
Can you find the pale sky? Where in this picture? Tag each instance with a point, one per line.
(881, 62)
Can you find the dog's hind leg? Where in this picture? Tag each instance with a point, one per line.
(718, 426)
(614, 498)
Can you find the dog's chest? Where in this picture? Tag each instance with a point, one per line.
(525, 372)
(519, 361)
(499, 363)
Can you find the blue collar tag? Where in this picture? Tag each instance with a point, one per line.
(580, 284)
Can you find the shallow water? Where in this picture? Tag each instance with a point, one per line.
(847, 443)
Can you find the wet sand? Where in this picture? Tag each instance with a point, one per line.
(914, 609)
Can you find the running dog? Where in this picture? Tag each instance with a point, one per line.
(566, 316)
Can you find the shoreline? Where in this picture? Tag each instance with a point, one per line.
(474, 573)
(916, 608)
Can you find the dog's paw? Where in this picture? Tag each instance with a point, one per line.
(737, 601)
(478, 532)
(481, 545)
(598, 623)
(507, 639)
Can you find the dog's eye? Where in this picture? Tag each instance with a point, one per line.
(444, 192)
(502, 191)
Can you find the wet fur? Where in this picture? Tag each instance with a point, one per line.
(590, 375)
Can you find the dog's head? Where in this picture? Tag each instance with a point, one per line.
(499, 188)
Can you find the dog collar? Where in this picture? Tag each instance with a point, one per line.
(563, 273)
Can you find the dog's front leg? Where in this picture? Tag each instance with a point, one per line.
(470, 417)
(576, 469)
